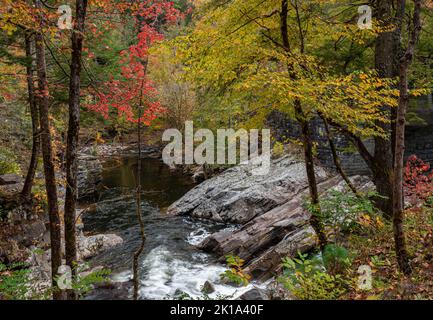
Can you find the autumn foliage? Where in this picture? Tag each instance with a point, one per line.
(418, 178)
(133, 88)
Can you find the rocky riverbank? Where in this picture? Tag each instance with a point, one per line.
(269, 209)
(24, 236)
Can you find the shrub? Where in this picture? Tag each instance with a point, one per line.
(342, 211)
(278, 149)
(14, 282)
(8, 162)
(418, 178)
(336, 259)
(236, 274)
(306, 279)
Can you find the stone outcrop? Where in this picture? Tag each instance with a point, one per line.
(238, 196)
(270, 209)
(278, 233)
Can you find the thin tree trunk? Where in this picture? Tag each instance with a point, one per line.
(47, 154)
(140, 249)
(27, 188)
(398, 208)
(336, 158)
(72, 141)
(315, 220)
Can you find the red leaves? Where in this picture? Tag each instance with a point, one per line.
(418, 178)
(134, 88)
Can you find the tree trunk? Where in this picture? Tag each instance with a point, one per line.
(387, 56)
(47, 154)
(140, 249)
(387, 53)
(398, 207)
(27, 188)
(315, 220)
(72, 141)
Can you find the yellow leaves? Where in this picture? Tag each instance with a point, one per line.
(367, 221)
(419, 92)
(98, 138)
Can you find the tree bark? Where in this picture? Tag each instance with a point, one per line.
(398, 208)
(140, 249)
(72, 141)
(315, 220)
(47, 154)
(307, 142)
(387, 55)
(27, 188)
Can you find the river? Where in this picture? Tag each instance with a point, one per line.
(170, 261)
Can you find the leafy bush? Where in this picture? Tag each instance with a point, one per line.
(8, 162)
(84, 283)
(336, 259)
(14, 281)
(306, 279)
(236, 273)
(341, 211)
(278, 149)
(418, 178)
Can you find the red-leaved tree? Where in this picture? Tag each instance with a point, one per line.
(134, 87)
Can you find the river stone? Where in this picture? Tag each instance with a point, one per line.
(31, 232)
(89, 247)
(238, 196)
(89, 175)
(255, 294)
(208, 288)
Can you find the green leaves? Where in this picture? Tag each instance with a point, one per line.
(236, 273)
(306, 279)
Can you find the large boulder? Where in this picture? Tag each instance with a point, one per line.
(270, 209)
(281, 232)
(30, 232)
(238, 196)
(255, 294)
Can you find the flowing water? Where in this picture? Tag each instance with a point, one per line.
(170, 261)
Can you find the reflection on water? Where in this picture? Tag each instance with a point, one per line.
(161, 186)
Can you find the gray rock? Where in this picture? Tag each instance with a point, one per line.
(31, 233)
(238, 196)
(280, 232)
(89, 247)
(270, 209)
(255, 294)
(89, 175)
(12, 252)
(208, 288)
(277, 291)
(10, 178)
